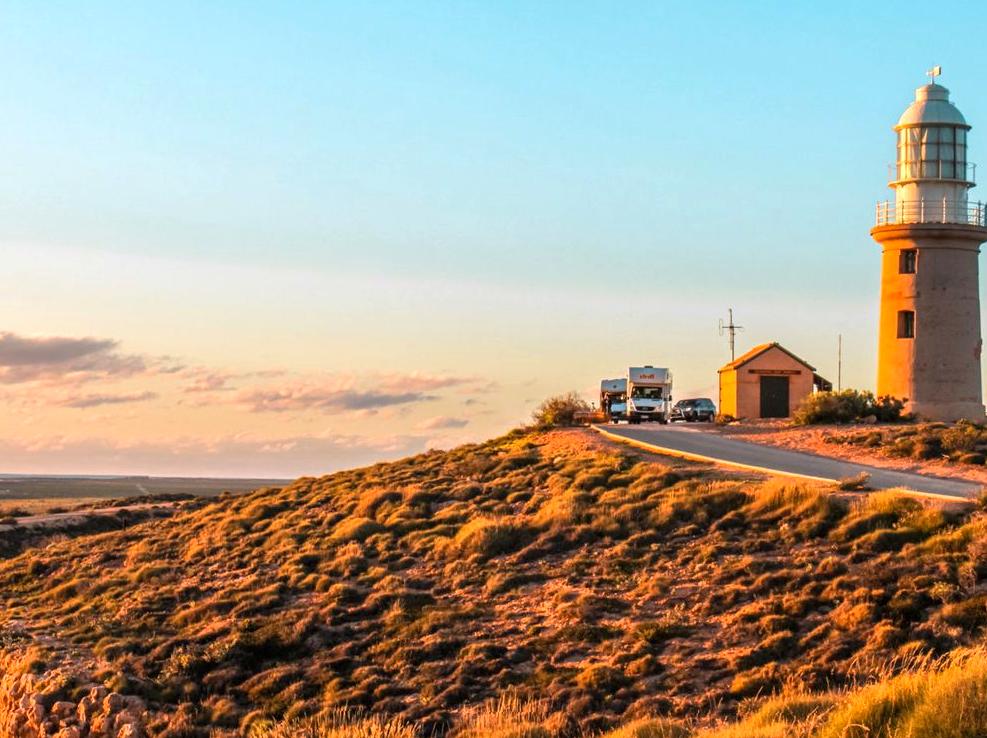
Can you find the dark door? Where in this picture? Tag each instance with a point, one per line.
(774, 397)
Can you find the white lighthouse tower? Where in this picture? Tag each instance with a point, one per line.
(929, 345)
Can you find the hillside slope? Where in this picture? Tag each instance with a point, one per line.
(608, 584)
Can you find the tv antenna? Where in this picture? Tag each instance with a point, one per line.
(731, 330)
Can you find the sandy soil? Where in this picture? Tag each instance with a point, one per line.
(42, 505)
(812, 439)
(81, 517)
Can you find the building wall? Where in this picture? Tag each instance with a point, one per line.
(740, 389)
(937, 371)
(728, 394)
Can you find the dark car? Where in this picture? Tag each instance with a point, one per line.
(695, 409)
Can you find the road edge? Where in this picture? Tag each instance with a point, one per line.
(761, 469)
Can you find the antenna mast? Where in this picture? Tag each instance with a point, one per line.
(839, 363)
(731, 330)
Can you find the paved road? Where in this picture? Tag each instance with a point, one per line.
(692, 442)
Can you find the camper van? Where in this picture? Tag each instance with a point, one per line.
(649, 394)
(613, 399)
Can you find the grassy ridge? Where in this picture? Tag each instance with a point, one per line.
(602, 585)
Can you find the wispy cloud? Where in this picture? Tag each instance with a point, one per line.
(443, 422)
(341, 394)
(96, 400)
(32, 359)
(299, 398)
(209, 381)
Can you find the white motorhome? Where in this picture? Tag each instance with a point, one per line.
(649, 394)
(613, 399)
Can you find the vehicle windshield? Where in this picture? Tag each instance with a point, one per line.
(686, 403)
(647, 393)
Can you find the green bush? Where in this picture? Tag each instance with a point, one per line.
(846, 407)
(560, 410)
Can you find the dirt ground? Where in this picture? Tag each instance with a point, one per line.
(812, 439)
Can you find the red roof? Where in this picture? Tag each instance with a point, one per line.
(757, 351)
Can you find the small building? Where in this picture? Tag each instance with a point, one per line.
(769, 381)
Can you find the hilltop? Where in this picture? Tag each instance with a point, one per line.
(603, 584)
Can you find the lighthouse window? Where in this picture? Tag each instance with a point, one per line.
(933, 152)
(906, 261)
(906, 324)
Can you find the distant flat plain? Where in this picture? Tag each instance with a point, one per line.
(39, 493)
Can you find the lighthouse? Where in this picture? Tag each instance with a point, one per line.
(929, 340)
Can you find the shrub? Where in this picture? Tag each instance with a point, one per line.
(490, 537)
(560, 410)
(658, 631)
(969, 614)
(356, 529)
(600, 677)
(847, 406)
(963, 437)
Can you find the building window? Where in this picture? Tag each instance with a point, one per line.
(906, 324)
(906, 261)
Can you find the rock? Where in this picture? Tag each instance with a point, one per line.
(130, 731)
(869, 420)
(113, 703)
(63, 709)
(100, 726)
(134, 704)
(72, 732)
(87, 708)
(124, 720)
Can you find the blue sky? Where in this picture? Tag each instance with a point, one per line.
(529, 192)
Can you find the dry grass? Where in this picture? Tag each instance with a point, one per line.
(946, 698)
(606, 588)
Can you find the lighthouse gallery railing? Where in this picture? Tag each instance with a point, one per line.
(931, 211)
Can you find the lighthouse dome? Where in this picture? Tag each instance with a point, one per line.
(931, 107)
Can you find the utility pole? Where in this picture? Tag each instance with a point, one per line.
(839, 362)
(731, 331)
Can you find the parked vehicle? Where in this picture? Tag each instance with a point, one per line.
(649, 394)
(613, 399)
(694, 409)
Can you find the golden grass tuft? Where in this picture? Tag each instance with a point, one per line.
(340, 723)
